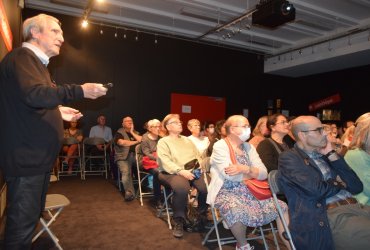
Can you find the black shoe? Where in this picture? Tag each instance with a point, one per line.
(178, 229)
(159, 205)
(129, 196)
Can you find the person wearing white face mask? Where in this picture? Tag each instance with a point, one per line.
(209, 130)
(227, 189)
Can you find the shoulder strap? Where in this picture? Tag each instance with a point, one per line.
(232, 154)
(274, 144)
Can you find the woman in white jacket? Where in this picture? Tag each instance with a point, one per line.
(227, 192)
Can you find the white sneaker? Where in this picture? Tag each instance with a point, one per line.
(245, 247)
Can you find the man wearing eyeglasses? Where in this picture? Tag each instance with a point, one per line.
(319, 186)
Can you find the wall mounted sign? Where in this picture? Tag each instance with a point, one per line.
(5, 30)
(324, 102)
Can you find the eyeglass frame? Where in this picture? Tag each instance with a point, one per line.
(244, 126)
(175, 122)
(318, 129)
(283, 123)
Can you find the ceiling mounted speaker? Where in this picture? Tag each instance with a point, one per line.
(273, 13)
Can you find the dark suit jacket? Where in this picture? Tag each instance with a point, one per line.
(306, 191)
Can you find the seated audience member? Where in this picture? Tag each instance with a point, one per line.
(208, 129)
(71, 150)
(358, 155)
(346, 125)
(260, 132)
(227, 191)
(346, 139)
(201, 142)
(289, 138)
(125, 141)
(149, 149)
(174, 151)
(319, 186)
(270, 148)
(219, 134)
(101, 131)
(336, 143)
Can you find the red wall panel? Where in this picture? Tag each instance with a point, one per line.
(203, 108)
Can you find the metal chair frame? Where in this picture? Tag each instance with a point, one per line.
(275, 190)
(62, 171)
(140, 172)
(227, 240)
(88, 167)
(166, 208)
(54, 205)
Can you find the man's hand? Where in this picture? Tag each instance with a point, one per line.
(186, 174)
(93, 90)
(69, 114)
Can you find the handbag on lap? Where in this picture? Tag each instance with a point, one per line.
(259, 188)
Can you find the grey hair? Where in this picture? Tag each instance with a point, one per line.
(37, 22)
(361, 137)
(153, 122)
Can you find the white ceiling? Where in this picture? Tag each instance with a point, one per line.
(318, 23)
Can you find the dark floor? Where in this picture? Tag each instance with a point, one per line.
(99, 218)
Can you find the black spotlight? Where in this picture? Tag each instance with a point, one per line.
(272, 13)
(286, 8)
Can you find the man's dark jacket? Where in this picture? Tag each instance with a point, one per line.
(306, 190)
(31, 125)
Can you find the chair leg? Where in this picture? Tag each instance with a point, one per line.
(45, 227)
(52, 236)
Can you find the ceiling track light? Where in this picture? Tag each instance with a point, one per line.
(101, 30)
(137, 36)
(116, 33)
(155, 39)
(84, 23)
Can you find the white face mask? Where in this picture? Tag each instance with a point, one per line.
(245, 135)
(211, 130)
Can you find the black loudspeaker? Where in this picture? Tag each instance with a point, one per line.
(273, 13)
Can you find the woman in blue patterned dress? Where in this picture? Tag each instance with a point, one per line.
(227, 192)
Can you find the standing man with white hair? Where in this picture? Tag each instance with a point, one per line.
(31, 137)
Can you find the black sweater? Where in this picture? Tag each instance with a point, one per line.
(31, 129)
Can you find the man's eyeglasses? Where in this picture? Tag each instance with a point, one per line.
(283, 122)
(319, 129)
(244, 126)
(176, 122)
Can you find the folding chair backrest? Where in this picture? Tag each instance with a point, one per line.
(273, 182)
(93, 141)
(70, 141)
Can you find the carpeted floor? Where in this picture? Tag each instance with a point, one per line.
(99, 218)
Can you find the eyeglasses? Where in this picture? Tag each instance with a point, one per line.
(319, 129)
(175, 122)
(244, 126)
(155, 126)
(283, 122)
